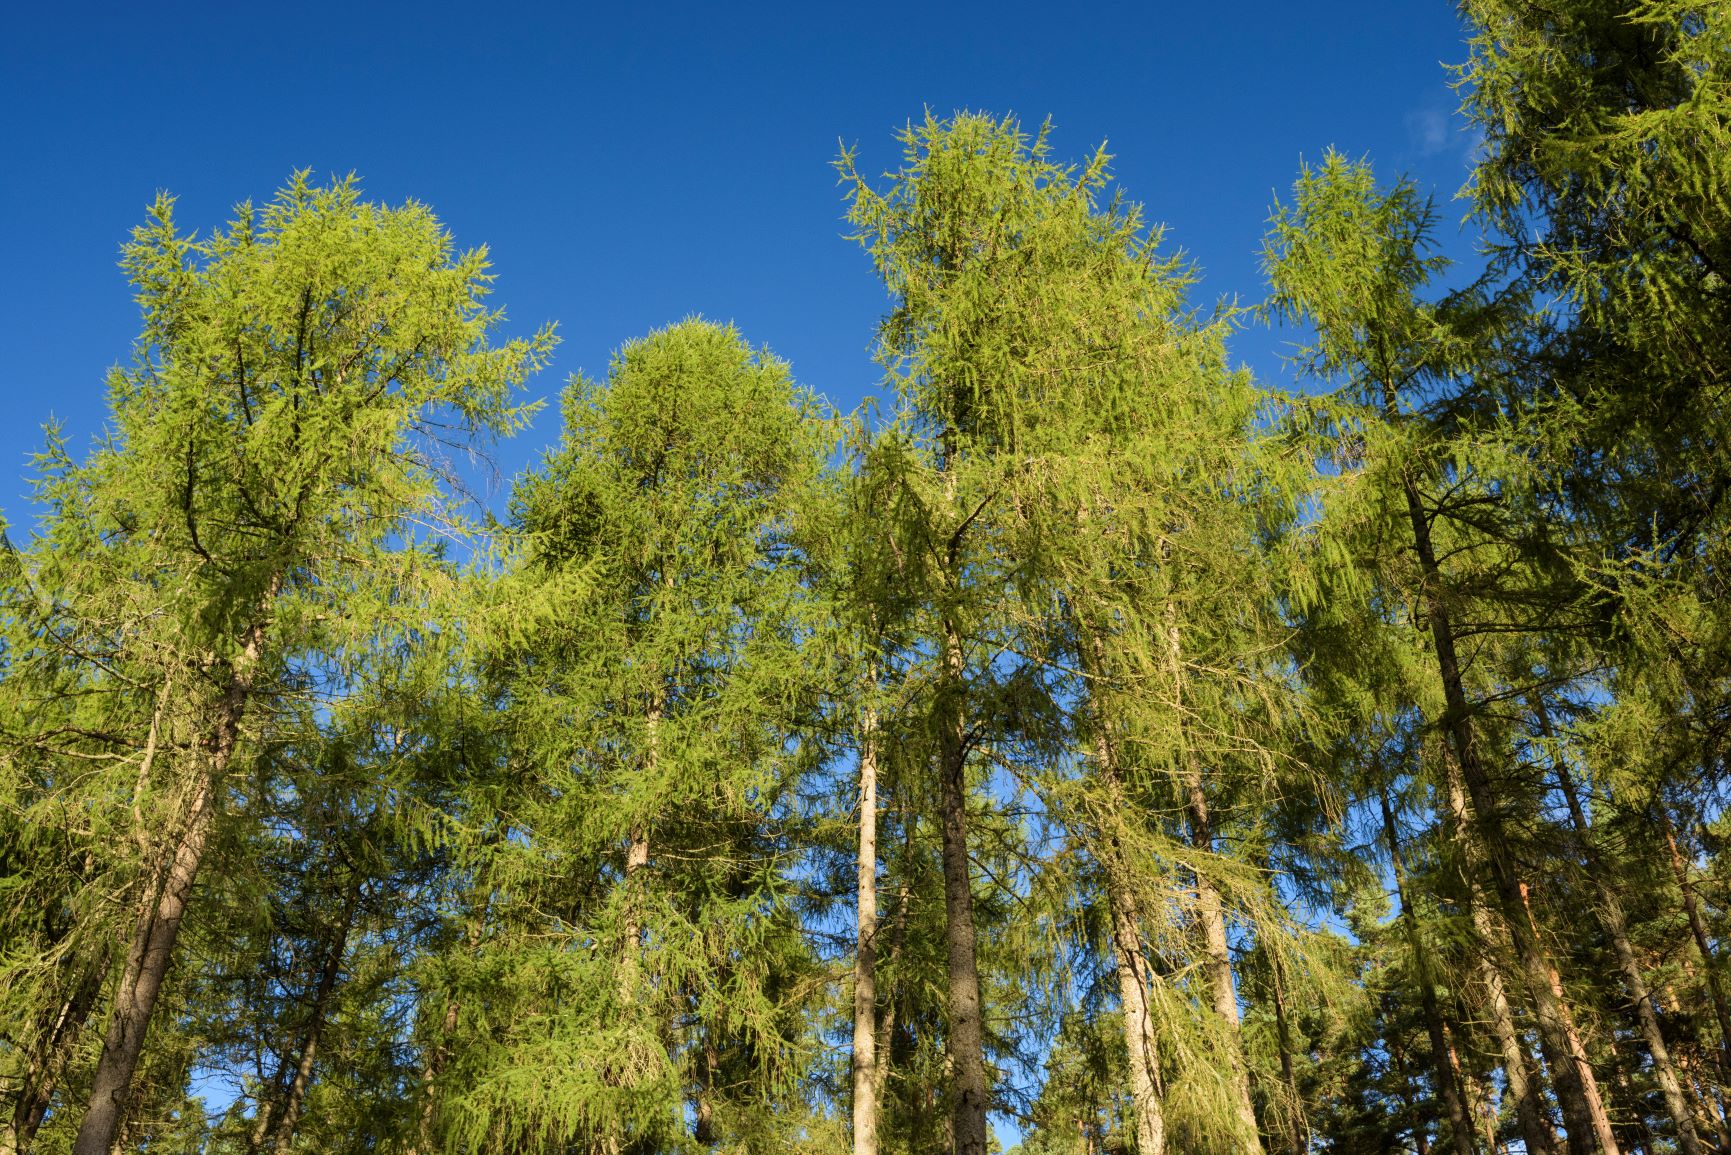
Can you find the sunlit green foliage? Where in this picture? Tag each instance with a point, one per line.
(1337, 769)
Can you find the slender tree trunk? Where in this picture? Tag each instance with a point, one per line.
(1283, 1038)
(297, 1092)
(1445, 1071)
(430, 1068)
(636, 858)
(1636, 1136)
(703, 1126)
(1517, 1062)
(1133, 972)
(865, 995)
(48, 1060)
(1611, 916)
(152, 949)
(1139, 1032)
(1420, 1141)
(966, 1032)
(1698, 928)
(1134, 979)
(1210, 909)
(1584, 1112)
(898, 940)
(147, 964)
(1519, 1070)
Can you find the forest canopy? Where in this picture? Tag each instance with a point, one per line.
(1090, 743)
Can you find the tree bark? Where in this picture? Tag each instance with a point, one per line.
(327, 982)
(1134, 976)
(1698, 929)
(430, 1068)
(636, 858)
(1442, 1069)
(1210, 909)
(703, 1126)
(1611, 916)
(158, 927)
(1584, 1113)
(898, 941)
(1420, 1141)
(865, 1056)
(1133, 973)
(1283, 1038)
(147, 966)
(48, 1059)
(965, 1039)
(1518, 1067)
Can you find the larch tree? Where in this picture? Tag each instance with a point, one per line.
(639, 836)
(285, 416)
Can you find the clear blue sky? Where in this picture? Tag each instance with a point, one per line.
(629, 165)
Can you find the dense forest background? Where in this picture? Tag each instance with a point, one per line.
(1088, 736)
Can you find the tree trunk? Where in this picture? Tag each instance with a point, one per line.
(1584, 1112)
(1283, 1038)
(160, 916)
(865, 996)
(1518, 1069)
(430, 1068)
(48, 1060)
(898, 940)
(147, 964)
(297, 1092)
(1139, 1033)
(1611, 916)
(1698, 928)
(1420, 1141)
(1442, 1068)
(965, 1038)
(1134, 975)
(1210, 909)
(636, 858)
(703, 1126)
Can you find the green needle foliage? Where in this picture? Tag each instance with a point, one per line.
(1095, 738)
(637, 949)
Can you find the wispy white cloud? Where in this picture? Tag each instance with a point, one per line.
(1429, 132)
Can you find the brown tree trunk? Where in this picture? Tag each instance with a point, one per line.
(297, 1092)
(898, 940)
(158, 927)
(1443, 1069)
(1283, 1038)
(1517, 1070)
(1611, 916)
(1518, 1066)
(1698, 929)
(703, 1126)
(1420, 1141)
(48, 1060)
(147, 964)
(430, 1068)
(965, 1039)
(865, 1056)
(1584, 1112)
